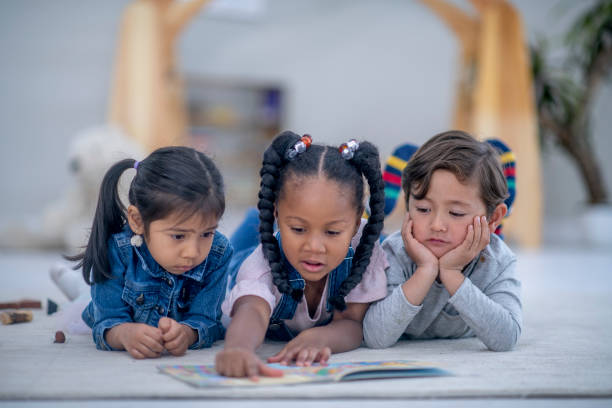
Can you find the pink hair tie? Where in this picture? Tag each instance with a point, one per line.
(136, 163)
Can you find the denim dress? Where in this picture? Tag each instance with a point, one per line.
(141, 291)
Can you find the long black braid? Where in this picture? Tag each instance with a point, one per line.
(367, 162)
(277, 168)
(274, 161)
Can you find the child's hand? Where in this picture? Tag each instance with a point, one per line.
(476, 239)
(418, 252)
(304, 350)
(139, 339)
(176, 337)
(241, 362)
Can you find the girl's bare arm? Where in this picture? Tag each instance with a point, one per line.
(246, 332)
(343, 333)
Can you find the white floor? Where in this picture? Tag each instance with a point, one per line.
(348, 403)
(564, 358)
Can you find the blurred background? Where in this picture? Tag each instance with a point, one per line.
(384, 71)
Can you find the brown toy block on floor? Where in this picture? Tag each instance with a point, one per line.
(16, 316)
(22, 304)
(60, 337)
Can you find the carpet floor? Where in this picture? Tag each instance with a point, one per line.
(565, 349)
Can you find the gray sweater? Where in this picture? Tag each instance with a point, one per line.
(487, 304)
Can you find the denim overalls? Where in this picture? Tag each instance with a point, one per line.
(245, 240)
(285, 309)
(141, 291)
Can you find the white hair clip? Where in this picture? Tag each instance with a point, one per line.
(348, 149)
(300, 147)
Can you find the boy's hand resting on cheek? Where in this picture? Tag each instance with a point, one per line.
(476, 239)
(415, 289)
(453, 262)
(418, 252)
(449, 266)
(241, 362)
(304, 350)
(176, 337)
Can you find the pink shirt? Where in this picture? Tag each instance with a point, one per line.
(255, 278)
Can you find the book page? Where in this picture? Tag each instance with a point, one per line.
(206, 376)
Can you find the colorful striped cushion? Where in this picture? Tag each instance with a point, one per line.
(392, 174)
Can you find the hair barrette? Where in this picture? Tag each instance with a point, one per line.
(348, 149)
(300, 147)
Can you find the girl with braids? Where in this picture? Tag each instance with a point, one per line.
(158, 269)
(450, 275)
(311, 282)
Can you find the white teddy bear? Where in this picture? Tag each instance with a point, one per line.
(65, 223)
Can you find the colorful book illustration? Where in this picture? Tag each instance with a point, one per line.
(206, 376)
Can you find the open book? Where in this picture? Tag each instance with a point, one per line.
(206, 376)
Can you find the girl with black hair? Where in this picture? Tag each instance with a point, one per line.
(158, 269)
(311, 282)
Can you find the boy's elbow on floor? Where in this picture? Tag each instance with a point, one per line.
(501, 347)
(506, 344)
(377, 343)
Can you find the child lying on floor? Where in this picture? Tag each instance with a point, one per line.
(310, 283)
(158, 268)
(450, 276)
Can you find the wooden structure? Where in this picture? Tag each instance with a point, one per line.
(495, 98)
(147, 100)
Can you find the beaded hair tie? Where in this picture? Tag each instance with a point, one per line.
(300, 147)
(348, 149)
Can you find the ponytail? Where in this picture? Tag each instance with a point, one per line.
(171, 180)
(108, 220)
